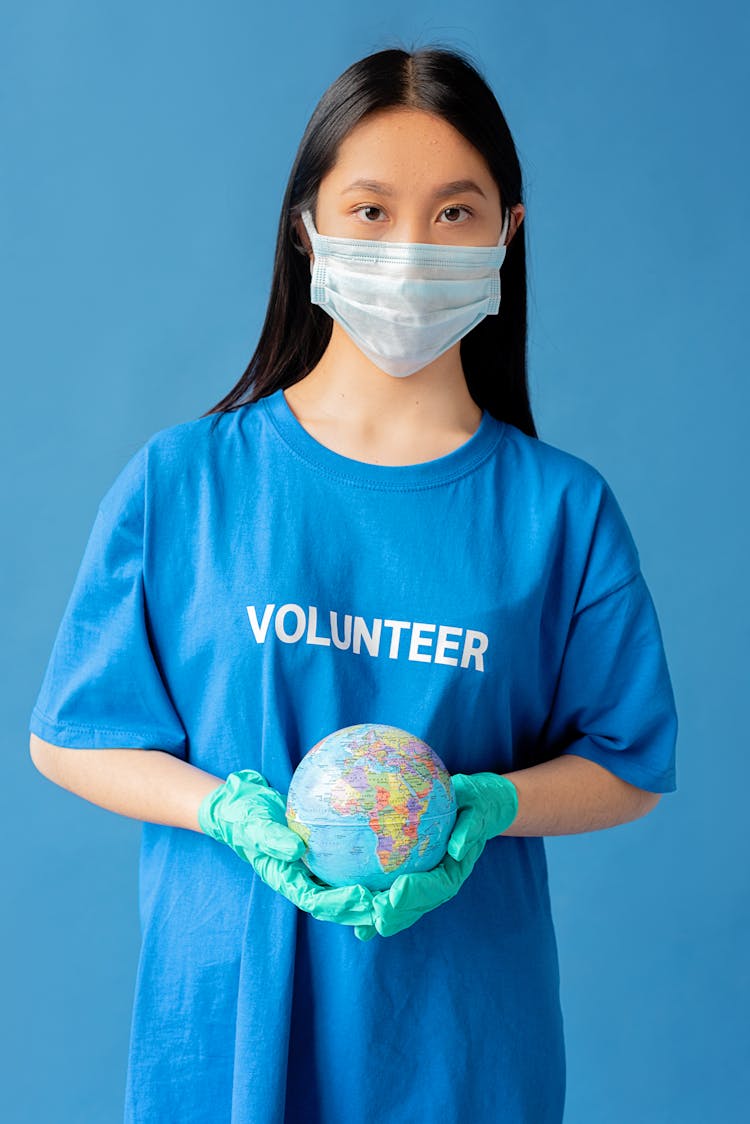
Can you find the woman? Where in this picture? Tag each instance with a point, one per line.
(365, 529)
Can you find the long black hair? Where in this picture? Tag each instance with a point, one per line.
(295, 333)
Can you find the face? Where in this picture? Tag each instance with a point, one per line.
(411, 162)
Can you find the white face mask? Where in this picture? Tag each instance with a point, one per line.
(404, 303)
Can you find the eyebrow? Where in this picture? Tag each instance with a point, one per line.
(439, 193)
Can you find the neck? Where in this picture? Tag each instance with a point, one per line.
(347, 387)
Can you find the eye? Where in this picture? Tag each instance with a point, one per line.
(451, 222)
(367, 207)
(457, 207)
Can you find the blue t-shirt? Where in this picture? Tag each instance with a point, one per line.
(245, 590)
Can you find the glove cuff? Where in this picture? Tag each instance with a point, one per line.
(504, 803)
(207, 818)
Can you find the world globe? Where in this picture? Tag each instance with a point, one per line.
(370, 802)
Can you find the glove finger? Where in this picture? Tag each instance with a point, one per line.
(263, 828)
(241, 779)
(279, 842)
(463, 788)
(466, 831)
(413, 895)
(410, 891)
(365, 932)
(412, 901)
(347, 905)
(388, 921)
(266, 806)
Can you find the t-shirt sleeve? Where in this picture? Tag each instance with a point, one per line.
(614, 703)
(103, 687)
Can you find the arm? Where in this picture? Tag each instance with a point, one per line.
(571, 794)
(146, 784)
(565, 795)
(156, 786)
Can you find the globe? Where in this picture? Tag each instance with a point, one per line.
(371, 801)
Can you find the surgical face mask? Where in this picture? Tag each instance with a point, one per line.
(404, 303)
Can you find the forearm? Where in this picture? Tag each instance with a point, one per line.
(571, 794)
(145, 784)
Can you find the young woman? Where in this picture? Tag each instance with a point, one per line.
(365, 529)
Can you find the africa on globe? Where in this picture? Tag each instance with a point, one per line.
(370, 802)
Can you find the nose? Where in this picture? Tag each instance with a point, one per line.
(413, 231)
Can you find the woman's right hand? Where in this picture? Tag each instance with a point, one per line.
(250, 817)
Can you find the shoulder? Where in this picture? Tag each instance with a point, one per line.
(208, 447)
(178, 455)
(196, 437)
(574, 494)
(551, 468)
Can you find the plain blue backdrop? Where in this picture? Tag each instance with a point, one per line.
(146, 148)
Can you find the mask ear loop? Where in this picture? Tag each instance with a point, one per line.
(505, 229)
(294, 239)
(294, 236)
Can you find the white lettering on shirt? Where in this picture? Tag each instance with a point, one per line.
(292, 623)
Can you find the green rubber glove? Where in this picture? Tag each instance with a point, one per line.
(249, 816)
(487, 805)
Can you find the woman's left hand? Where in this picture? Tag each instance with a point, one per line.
(412, 895)
(487, 804)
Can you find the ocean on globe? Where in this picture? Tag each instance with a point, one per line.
(371, 802)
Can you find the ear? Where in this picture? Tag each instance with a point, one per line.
(516, 218)
(301, 240)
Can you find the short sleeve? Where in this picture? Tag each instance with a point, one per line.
(614, 702)
(102, 687)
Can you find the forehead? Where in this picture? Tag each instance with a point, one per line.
(408, 147)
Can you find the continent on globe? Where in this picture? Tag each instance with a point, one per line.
(370, 802)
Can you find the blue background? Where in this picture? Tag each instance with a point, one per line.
(146, 149)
